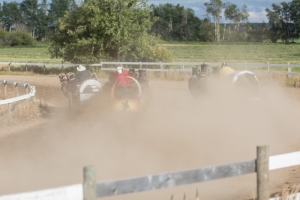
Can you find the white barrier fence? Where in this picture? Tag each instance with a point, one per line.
(29, 93)
(161, 66)
(90, 189)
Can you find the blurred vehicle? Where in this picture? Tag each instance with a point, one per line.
(128, 91)
(123, 91)
(79, 93)
(202, 81)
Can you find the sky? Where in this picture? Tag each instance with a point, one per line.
(255, 8)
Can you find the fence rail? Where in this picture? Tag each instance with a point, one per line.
(160, 64)
(90, 190)
(28, 94)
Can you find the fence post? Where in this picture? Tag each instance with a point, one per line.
(62, 66)
(9, 111)
(289, 68)
(140, 65)
(16, 89)
(9, 66)
(262, 172)
(32, 98)
(245, 66)
(26, 92)
(26, 88)
(268, 67)
(89, 185)
(26, 66)
(161, 67)
(44, 70)
(5, 88)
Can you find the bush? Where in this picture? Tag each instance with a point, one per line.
(15, 38)
(159, 53)
(20, 37)
(3, 37)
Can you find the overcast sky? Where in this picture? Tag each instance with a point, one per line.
(255, 8)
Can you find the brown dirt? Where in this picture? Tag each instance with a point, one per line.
(175, 133)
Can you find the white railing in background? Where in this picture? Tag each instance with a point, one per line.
(29, 93)
(161, 65)
(91, 190)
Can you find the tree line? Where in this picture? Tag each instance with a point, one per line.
(226, 22)
(223, 21)
(37, 19)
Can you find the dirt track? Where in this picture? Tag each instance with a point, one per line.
(177, 132)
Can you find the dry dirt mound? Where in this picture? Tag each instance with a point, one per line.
(176, 133)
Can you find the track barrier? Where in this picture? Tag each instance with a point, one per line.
(90, 189)
(29, 94)
(165, 66)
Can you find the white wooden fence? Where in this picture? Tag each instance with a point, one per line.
(165, 66)
(29, 93)
(90, 189)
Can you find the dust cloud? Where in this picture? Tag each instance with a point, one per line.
(175, 132)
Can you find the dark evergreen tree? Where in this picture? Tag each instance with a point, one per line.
(58, 9)
(30, 16)
(11, 15)
(42, 24)
(174, 22)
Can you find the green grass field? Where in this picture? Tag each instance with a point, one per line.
(250, 53)
(36, 53)
(184, 52)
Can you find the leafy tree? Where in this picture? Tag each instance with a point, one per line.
(193, 26)
(295, 17)
(206, 31)
(1, 12)
(235, 15)
(226, 16)
(230, 12)
(116, 30)
(243, 15)
(214, 8)
(284, 20)
(257, 33)
(167, 20)
(275, 22)
(174, 22)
